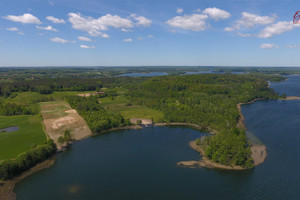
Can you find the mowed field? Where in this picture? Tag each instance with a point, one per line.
(120, 104)
(30, 133)
(58, 116)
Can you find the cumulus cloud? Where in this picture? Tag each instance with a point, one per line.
(12, 29)
(27, 18)
(127, 40)
(150, 36)
(47, 28)
(179, 11)
(55, 20)
(94, 27)
(216, 13)
(194, 22)
(126, 30)
(277, 29)
(82, 38)
(249, 20)
(268, 46)
(86, 47)
(60, 40)
(141, 21)
(15, 29)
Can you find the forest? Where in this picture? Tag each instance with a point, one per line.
(208, 100)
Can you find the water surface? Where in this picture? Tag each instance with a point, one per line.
(9, 129)
(141, 164)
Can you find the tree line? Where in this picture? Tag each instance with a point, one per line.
(97, 118)
(24, 161)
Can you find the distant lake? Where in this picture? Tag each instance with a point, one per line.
(144, 74)
(141, 164)
(151, 74)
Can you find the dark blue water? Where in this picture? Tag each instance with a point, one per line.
(141, 164)
(291, 87)
(150, 74)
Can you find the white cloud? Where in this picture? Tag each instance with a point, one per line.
(25, 19)
(60, 40)
(245, 34)
(86, 47)
(292, 46)
(15, 29)
(194, 22)
(82, 38)
(12, 29)
(277, 29)
(216, 13)
(94, 26)
(198, 10)
(150, 36)
(126, 30)
(249, 20)
(47, 28)
(179, 11)
(268, 46)
(141, 21)
(127, 40)
(55, 20)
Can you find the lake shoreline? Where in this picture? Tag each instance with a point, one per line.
(7, 187)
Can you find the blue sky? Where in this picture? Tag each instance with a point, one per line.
(149, 32)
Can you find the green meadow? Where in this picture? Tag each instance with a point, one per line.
(30, 133)
(120, 104)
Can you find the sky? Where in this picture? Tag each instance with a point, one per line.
(149, 33)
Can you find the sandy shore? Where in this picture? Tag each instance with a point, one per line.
(7, 187)
(258, 154)
(241, 123)
(292, 98)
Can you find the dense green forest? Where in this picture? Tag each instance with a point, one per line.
(209, 100)
(26, 160)
(97, 118)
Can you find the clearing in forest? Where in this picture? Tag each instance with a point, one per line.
(58, 116)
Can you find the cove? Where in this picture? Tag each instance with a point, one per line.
(141, 164)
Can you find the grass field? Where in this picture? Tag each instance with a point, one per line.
(120, 104)
(30, 133)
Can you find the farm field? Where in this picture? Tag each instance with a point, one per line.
(58, 116)
(30, 133)
(120, 104)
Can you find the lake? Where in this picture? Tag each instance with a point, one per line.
(141, 164)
